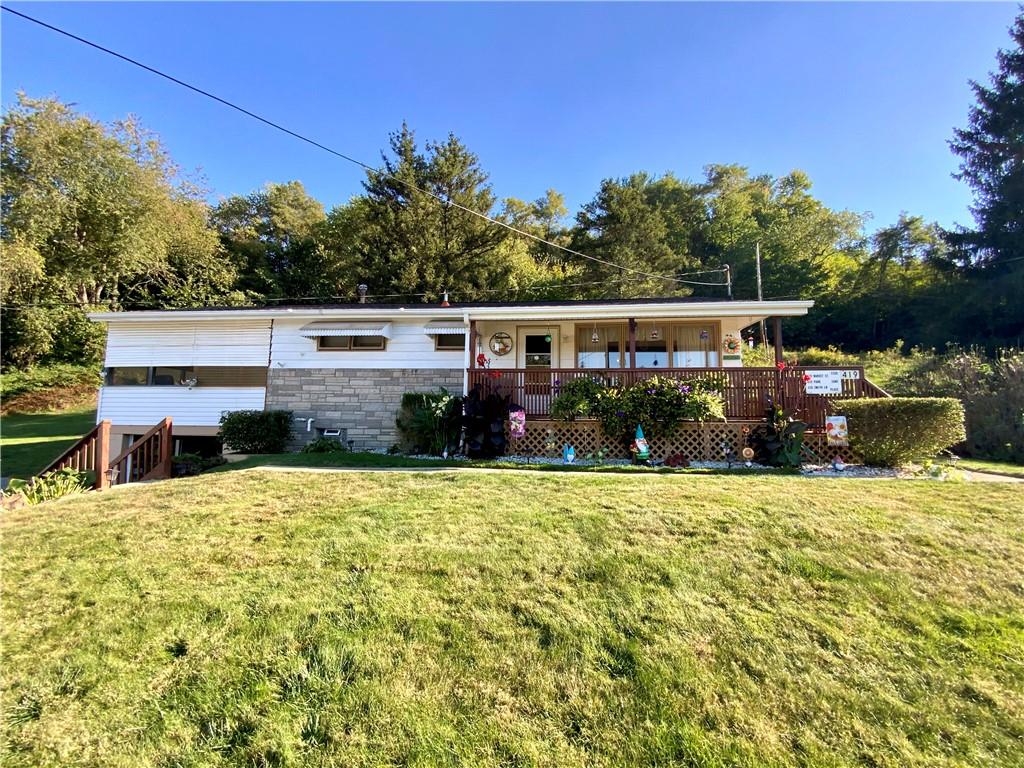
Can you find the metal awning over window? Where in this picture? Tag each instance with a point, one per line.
(328, 328)
(443, 328)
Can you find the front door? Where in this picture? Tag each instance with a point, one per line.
(538, 354)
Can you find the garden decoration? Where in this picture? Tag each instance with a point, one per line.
(517, 424)
(500, 343)
(640, 449)
(568, 454)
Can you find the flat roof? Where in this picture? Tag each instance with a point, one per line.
(674, 306)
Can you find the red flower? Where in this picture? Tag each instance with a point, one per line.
(494, 374)
(481, 360)
(807, 377)
(781, 366)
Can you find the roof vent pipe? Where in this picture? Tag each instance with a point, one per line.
(444, 300)
(361, 289)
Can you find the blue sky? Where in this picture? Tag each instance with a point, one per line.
(863, 97)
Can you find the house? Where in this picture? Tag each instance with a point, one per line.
(342, 369)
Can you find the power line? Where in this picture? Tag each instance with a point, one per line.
(440, 198)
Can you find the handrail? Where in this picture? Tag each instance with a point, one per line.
(88, 454)
(148, 458)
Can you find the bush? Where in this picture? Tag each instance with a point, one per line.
(325, 445)
(14, 383)
(52, 485)
(430, 422)
(256, 431)
(188, 464)
(893, 431)
(576, 399)
(779, 441)
(658, 404)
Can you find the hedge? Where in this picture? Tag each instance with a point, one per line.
(891, 431)
(256, 431)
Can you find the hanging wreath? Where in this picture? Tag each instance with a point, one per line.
(732, 345)
(501, 343)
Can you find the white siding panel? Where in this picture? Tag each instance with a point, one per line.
(409, 347)
(188, 343)
(199, 407)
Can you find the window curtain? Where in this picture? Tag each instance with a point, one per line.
(694, 346)
(607, 352)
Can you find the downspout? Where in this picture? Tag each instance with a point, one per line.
(468, 357)
(270, 357)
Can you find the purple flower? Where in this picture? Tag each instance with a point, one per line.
(620, 414)
(684, 389)
(650, 391)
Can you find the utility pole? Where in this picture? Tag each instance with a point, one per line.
(757, 257)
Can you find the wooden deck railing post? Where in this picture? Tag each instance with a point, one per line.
(167, 448)
(102, 456)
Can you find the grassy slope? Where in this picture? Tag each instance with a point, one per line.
(998, 467)
(516, 619)
(29, 441)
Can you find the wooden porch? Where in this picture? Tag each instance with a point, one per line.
(746, 390)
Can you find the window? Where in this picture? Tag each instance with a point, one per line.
(127, 377)
(183, 376)
(164, 376)
(658, 345)
(537, 348)
(450, 342)
(695, 346)
(349, 343)
(607, 351)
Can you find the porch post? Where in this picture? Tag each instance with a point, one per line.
(472, 343)
(777, 337)
(780, 382)
(632, 343)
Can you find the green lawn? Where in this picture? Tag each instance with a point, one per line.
(362, 460)
(998, 467)
(28, 442)
(515, 619)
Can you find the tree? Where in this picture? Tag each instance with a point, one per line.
(92, 215)
(991, 151)
(627, 229)
(271, 238)
(419, 243)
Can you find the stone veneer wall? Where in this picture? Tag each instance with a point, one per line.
(362, 402)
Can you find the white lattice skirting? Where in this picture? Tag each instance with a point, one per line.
(708, 441)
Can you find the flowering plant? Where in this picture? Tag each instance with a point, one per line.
(659, 404)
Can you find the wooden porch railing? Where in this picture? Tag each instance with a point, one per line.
(148, 458)
(87, 455)
(746, 390)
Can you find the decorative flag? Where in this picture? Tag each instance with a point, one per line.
(517, 422)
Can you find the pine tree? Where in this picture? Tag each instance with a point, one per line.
(991, 149)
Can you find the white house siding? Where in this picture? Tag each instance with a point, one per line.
(198, 407)
(408, 347)
(188, 342)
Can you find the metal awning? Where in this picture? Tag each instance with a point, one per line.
(440, 327)
(328, 328)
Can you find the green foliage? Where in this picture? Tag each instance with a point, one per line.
(658, 404)
(778, 442)
(20, 382)
(325, 445)
(897, 430)
(430, 422)
(577, 399)
(256, 431)
(52, 485)
(187, 464)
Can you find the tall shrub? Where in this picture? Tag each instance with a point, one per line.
(896, 430)
(256, 431)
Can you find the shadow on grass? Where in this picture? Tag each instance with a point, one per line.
(359, 460)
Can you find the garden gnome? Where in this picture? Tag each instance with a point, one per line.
(641, 451)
